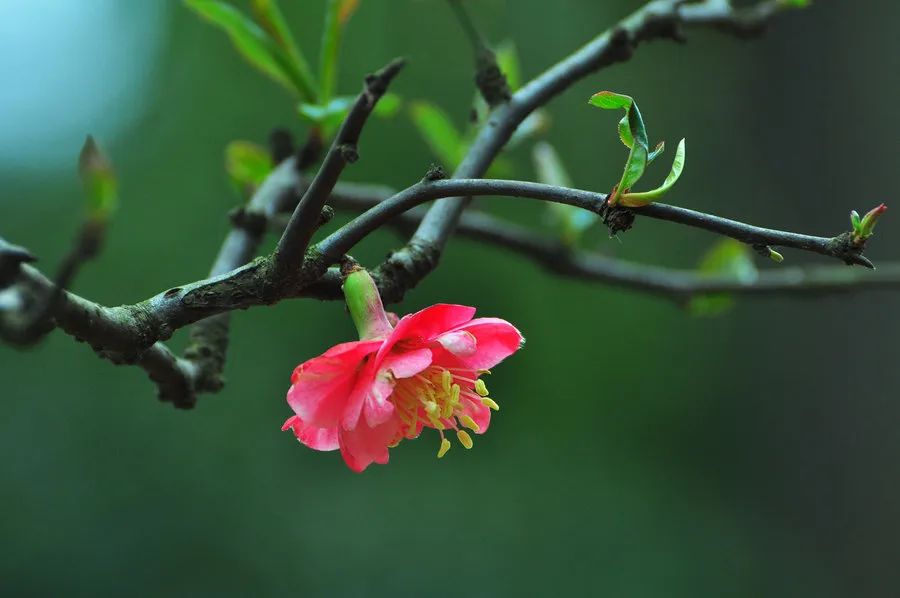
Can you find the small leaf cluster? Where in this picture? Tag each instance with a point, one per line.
(266, 42)
(863, 228)
(633, 134)
(449, 144)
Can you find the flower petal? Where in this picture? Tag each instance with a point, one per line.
(480, 414)
(495, 340)
(427, 324)
(363, 445)
(461, 343)
(376, 406)
(405, 364)
(320, 439)
(321, 386)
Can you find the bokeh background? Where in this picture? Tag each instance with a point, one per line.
(640, 451)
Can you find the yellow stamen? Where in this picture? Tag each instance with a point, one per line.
(439, 398)
(445, 446)
(469, 423)
(491, 403)
(446, 380)
(452, 400)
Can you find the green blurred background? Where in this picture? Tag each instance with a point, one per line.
(640, 451)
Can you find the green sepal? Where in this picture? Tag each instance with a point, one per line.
(365, 305)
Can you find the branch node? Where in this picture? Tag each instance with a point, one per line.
(349, 153)
(616, 218)
(435, 172)
(325, 216)
(490, 80)
(847, 250)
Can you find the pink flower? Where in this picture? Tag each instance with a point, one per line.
(366, 396)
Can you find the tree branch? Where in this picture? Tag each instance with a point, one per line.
(342, 241)
(655, 20)
(209, 337)
(559, 259)
(90, 322)
(208, 345)
(293, 243)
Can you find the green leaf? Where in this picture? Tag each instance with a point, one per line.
(729, 259)
(270, 18)
(338, 12)
(508, 61)
(247, 164)
(710, 305)
(855, 220)
(869, 220)
(330, 116)
(657, 152)
(609, 100)
(571, 221)
(388, 106)
(439, 133)
(643, 198)
(625, 132)
(255, 45)
(632, 133)
(634, 169)
(99, 180)
(794, 3)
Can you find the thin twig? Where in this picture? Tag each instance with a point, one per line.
(342, 240)
(561, 260)
(293, 243)
(489, 79)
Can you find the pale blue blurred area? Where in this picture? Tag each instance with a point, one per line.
(73, 67)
